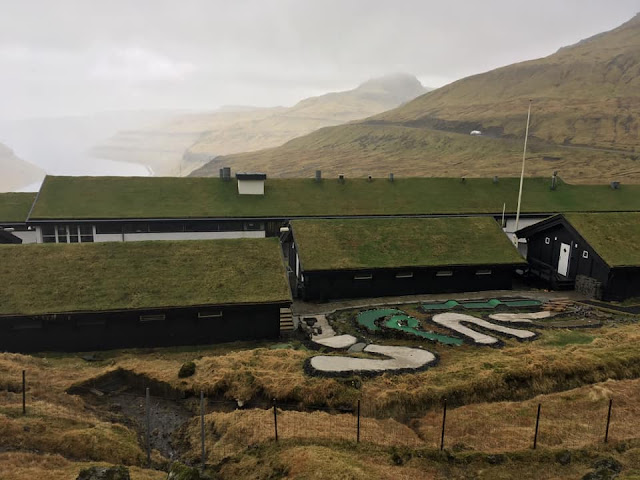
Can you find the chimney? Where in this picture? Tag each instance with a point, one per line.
(495, 179)
(615, 185)
(369, 178)
(391, 177)
(226, 173)
(318, 176)
(341, 178)
(554, 180)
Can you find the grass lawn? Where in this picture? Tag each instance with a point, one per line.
(14, 207)
(166, 197)
(50, 278)
(401, 242)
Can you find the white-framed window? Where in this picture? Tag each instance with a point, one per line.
(152, 317)
(404, 275)
(363, 277)
(547, 240)
(444, 273)
(483, 272)
(585, 254)
(210, 314)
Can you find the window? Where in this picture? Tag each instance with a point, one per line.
(251, 226)
(86, 233)
(166, 227)
(73, 233)
(363, 277)
(404, 275)
(138, 227)
(210, 314)
(109, 228)
(483, 272)
(585, 254)
(152, 317)
(444, 273)
(48, 234)
(203, 226)
(547, 240)
(61, 230)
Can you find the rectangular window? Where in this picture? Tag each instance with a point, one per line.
(203, 226)
(62, 234)
(404, 275)
(166, 227)
(152, 317)
(109, 228)
(86, 233)
(363, 277)
(73, 233)
(48, 234)
(253, 226)
(444, 273)
(483, 272)
(585, 254)
(137, 227)
(231, 226)
(210, 314)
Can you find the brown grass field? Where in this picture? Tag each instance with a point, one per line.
(492, 393)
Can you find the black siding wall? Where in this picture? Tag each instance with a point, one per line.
(623, 283)
(324, 285)
(107, 330)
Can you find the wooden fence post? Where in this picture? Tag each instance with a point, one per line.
(535, 435)
(202, 427)
(24, 393)
(358, 435)
(275, 419)
(606, 433)
(444, 421)
(148, 421)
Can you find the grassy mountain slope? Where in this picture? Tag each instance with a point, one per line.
(586, 100)
(186, 142)
(15, 173)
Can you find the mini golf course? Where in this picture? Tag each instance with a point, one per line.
(480, 304)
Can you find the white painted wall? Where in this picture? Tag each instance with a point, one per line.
(251, 187)
(30, 236)
(136, 237)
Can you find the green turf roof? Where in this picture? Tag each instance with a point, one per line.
(14, 207)
(53, 278)
(401, 242)
(614, 236)
(170, 197)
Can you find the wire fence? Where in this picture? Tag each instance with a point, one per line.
(216, 429)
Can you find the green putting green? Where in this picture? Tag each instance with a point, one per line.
(479, 305)
(411, 325)
(368, 318)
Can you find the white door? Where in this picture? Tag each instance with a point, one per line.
(563, 261)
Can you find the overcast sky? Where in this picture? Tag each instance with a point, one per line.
(65, 57)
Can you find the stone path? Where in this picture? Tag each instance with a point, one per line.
(522, 317)
(454, 322)
(402, 358)
(339, 341)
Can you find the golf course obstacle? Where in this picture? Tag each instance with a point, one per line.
(479, 304)
(454, 321)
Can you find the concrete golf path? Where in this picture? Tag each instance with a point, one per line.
(401, 358)
(522, 317)
(454, 322)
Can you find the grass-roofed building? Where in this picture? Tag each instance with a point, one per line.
(599, 253)
(14, 210)
(112, 295)
(101, 209)
(400, 256)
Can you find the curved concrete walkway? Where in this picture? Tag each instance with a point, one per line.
(454, 322)
(402, 358)
(521, 317)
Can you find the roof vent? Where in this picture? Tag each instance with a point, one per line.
(226, 173)
(318, 175)
(341, 178)
(391, 177)
(369, 178)
(554, 181)
(615, 185)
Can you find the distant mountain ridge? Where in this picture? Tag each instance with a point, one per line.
(15, 173)
(178, 146)
(585, 123)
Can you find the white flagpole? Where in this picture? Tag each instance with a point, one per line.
(524, 154)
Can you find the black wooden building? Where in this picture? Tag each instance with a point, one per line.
(400, 256)
(598, 254)
(143, 294)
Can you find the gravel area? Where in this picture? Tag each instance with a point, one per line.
(454, 322)
(402, 358)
